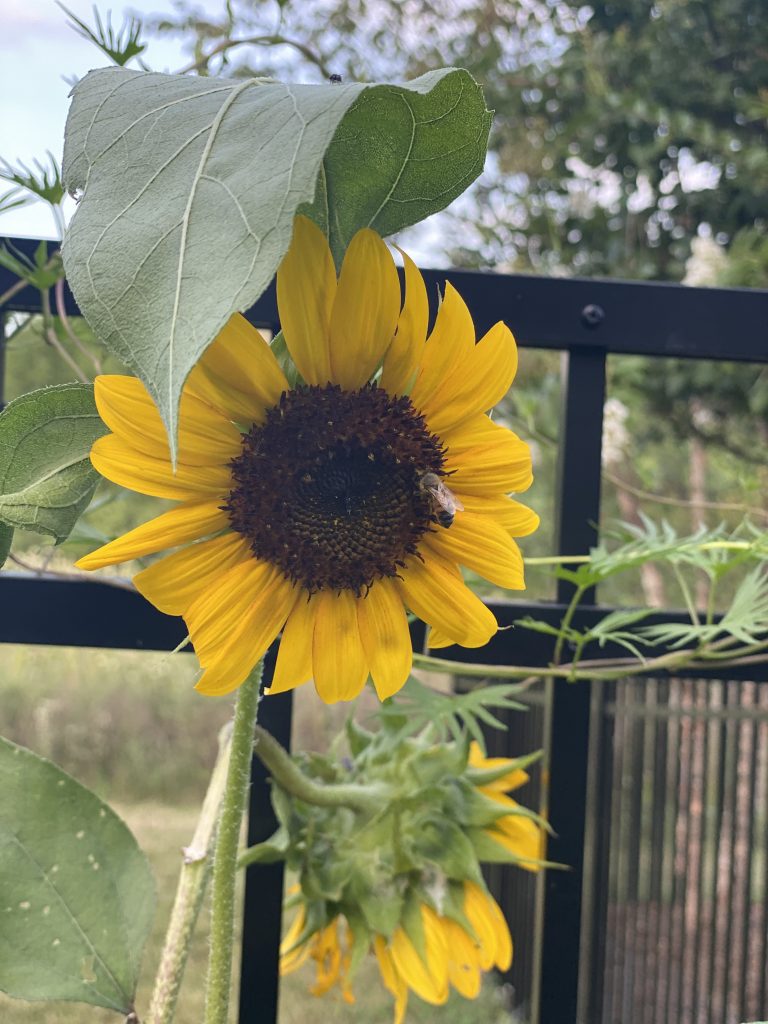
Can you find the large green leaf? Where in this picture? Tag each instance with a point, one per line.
(399, 156)
(188, 188)
(46, 477)
(76, 893)
(6, 539)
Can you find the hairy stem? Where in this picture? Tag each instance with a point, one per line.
(291, 778)
(225, 861)
(193, 879)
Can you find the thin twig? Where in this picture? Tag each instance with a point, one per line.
(660, 499)
(81, 577)
(271, 40)
(22, 283)
(19, 286)
(61, 313)
(50, 337)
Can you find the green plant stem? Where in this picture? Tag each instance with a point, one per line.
(600, 669)
(566, 623)
(225, 861)
(692, 611)
(291, 778)
(710, 613)
(193, 878)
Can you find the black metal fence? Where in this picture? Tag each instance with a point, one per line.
(649, 916)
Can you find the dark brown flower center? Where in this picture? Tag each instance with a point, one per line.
(327, 488)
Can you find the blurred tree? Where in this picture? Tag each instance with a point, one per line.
(622, 129)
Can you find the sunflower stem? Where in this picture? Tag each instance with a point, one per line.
(225, 861)
(193, 879)
(291, 778)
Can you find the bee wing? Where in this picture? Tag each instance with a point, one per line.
(447, 498)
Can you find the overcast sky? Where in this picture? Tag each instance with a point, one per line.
(37, 50)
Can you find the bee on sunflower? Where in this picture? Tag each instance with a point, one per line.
(329, 508)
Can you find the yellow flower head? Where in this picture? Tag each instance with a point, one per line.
(444, 952)
(328, 508)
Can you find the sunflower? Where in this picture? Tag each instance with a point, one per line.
(315, 509)
(518, 833)
(452, 953)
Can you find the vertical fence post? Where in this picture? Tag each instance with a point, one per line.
(566, 737)
(263, 901)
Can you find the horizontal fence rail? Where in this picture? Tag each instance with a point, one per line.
(636, 771)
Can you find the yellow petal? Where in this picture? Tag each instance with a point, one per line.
(429, 980)
(435, 591)
(392, 980)
(230, 664)
(436, 639)
(338, 660)
(483, 546)
(484, 927)
(173, 583)
(292, 961)
(121, 463)
(515, 778)
(238, 374)
(518, 520)
(437, 948)
(486, 919)
(179, 525)
(520, 835)
(385, 637)
(479, 431)
(365, 310)
(233, 623)
(294, 658)
(306, 286)
(463, 960)
(490, 471)
(291, 937)
(451, 343)
(403, 356)
(218, 613)
(206, 438)
(476, 383)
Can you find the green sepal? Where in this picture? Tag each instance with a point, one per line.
(439, 841)
(316, 766)
(270, 851)
(381, 906)
(283, 356)
(413, 925)
(484, 776)
(480, 811)
(489, 851)
(362, 938)
(283, 806)
(432, 765)
(358, 738)
(316, 918)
